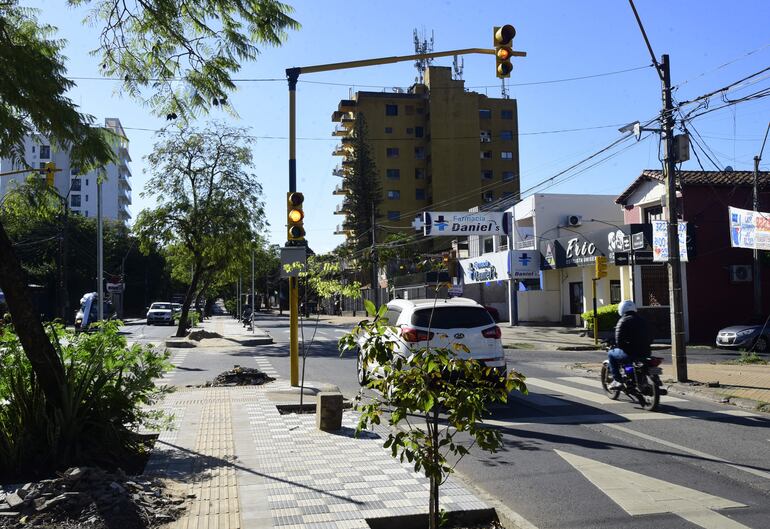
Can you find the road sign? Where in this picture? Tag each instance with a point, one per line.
(439, 223)
(115, 287)
(291, 255)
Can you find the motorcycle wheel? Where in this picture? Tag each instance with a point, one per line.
(363, 375)
(649, 394)
(613, 394)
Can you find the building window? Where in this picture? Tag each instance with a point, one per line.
(419, 153)
(393, 174)
(394, 215)
(419, 194)
(409, 110)
(487, 196)
(86, 182)
(75, 171)
(489, 245)
(654, 285)
(391, 152)
(42, 165)
(33, 148)
(410, 131)
(419, 132)
(86, 213)
(486, 136)
(506, 134)
(394, 194)
(391, 110)
(614, 291)
(86, 198)
(75, 201)
(486, 155)
(45, 151)
(487, 175)
(388, 130)
(76, 183)
(506, 155)
(507, 176)
(506, 114)
(485, 113)
(419, 173)
(653, 213)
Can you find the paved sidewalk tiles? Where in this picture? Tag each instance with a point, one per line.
(248, 466)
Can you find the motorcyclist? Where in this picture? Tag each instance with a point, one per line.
(632, 341)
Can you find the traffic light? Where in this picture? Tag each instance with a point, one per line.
(296, 217)
(601, 267)
(503, 41)
(50, 172)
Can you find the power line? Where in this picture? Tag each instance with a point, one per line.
(752, 52)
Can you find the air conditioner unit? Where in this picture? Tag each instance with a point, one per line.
(573, 220)
(740, 273)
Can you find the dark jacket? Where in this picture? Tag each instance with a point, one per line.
(631, 335)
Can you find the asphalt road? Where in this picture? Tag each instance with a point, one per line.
(574, 459)
(137, 331)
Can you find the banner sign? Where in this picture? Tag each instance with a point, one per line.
(439, 223)
(749, 229)
(660, 241)
(487, 267)
(525, 264)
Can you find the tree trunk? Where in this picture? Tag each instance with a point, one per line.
(435, 478)
(188, 299)
(38, 348)
(209, 306)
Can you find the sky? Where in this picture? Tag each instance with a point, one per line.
(710, 43)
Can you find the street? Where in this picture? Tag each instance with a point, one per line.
(571, 457)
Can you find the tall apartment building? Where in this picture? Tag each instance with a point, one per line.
(436, 147)
(79, 188)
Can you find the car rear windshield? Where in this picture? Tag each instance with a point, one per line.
(452, 318)
(161, 306)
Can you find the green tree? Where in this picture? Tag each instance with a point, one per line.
(206, 198)
(147, 44)
(363, 185)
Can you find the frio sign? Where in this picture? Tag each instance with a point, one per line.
(576, 248)
(439, 223)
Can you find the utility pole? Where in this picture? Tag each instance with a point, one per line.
(678, 351)
(375, 261)
(99, 248)
(253, 297)
(757, 271)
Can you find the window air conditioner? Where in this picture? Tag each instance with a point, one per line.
(740, 273)
(574, 220)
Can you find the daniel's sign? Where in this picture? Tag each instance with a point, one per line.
(437, 223)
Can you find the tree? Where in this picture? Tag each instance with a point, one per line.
(148, 45)
(363, 185)
(206, 198)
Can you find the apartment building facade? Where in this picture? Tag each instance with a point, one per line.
(436, 146)
(79, 188)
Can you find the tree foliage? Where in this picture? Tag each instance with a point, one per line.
(207, 199)
(363, 185)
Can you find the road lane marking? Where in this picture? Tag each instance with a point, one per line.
(691, 451)
(597, 383)
(593, 418)
(538, 399)
(639, 495)
(563, 389)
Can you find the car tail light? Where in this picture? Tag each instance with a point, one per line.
(415, 335)
(492, 332)
(655, 361)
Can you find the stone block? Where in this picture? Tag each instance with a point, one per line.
(328, 416)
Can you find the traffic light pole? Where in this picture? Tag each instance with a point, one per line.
(292, 75)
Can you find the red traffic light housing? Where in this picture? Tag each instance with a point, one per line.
(503, 42)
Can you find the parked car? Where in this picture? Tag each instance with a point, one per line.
(754, 337)
(177, 307)
(416, 322)
(88, 313)
(160, 312)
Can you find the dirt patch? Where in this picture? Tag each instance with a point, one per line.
(89, 497)
(241, 376)
(203, 334)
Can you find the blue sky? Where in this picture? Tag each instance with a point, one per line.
(564, 39)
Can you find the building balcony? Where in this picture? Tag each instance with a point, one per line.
(340, 130)
(124, 197)
(123, 183)
(341, 230)
(341, 209)
(347, 163)
(340, 150)
(526, 244)
(347, 105)
(339, 171)
(339, 190)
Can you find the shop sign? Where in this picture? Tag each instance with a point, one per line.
(440, 223)
(582, 249)
(749, 229)
(525, 264)
(488, 267)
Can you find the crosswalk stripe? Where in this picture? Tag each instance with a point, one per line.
(596, 383)
(563, 389)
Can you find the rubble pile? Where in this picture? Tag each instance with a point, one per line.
(202, 334)
(89, 498)
(241, 376)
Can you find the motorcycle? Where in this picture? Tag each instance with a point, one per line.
(641, 382)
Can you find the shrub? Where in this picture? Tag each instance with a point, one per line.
(108, 394)
(607, 315)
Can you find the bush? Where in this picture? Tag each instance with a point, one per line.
(108, 395)
(607, 315)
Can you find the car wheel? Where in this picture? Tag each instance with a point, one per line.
(760, 345)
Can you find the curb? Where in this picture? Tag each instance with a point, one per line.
(179, 343)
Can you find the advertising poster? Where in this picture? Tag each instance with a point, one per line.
(749, 229)
(487, 267)
(660, 241)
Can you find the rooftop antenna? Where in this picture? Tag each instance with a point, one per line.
(457, 65)
(422, 46)
(504, 90)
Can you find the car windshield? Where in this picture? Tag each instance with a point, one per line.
(452, 318)
(162, 306)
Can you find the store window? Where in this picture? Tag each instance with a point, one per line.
(614, 291)
(654, 285)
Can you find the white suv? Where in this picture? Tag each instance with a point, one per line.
(417, 323)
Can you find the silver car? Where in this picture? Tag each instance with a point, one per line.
(160, 313)
(753, 337)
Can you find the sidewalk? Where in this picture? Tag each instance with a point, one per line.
(546, 337)
(243, 465)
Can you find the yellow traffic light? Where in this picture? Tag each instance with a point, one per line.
(50, 173)
(295, 227)
(601, 267)
(503, 42)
